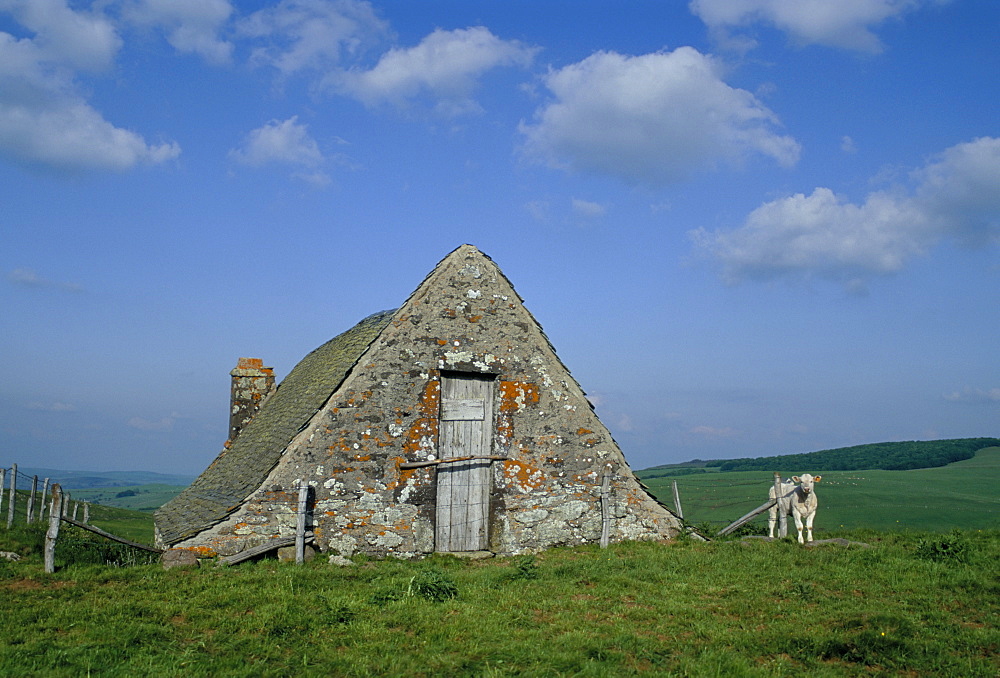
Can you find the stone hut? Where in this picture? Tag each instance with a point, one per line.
(448, 424)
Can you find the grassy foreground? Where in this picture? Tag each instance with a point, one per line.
(913, 605)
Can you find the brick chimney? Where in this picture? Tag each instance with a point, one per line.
(252, 383)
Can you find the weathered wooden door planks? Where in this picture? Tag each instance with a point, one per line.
(463, 491)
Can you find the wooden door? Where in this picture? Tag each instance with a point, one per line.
(463, 488)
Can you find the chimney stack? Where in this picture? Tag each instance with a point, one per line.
(252, 383)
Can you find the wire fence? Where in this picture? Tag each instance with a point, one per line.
(26, 499)
(849, 501)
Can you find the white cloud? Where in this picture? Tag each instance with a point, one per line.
(84, 40)
(26, 277)
(329, 40)
(43, 120)
(713, 432)
(835, 23)
(974, 395)
(445, 65)
(51, 407)
(285, 142)
(961, 189)
(821, 234)
(191, 26)
(539, 210)
(590, 210)
(651, 119)
(68, 134)
(311, 34)
(956, 195)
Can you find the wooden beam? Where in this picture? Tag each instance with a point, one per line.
(746, 519)
(266, 547)
(108, 535)
(434, 462)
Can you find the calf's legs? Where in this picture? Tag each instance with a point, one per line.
(798, 526)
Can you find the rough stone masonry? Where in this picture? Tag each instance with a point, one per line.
(370, 400)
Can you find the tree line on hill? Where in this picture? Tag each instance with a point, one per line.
(896, 456)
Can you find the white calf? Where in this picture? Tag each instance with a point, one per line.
(798, 500)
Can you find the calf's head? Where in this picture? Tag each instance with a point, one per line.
(806, 481)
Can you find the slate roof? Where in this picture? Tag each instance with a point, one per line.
(238, 471)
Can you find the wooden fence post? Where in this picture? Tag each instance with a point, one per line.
(677, 500)
(782, 516)
(300, 524)
(30, 514)
(13, 488)
(76, 507)
(65, 503)
(606, 507)
(55, 517)
(3, 480)
(86, 512)
(41, 504)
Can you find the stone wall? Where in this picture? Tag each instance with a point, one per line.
(465, 317)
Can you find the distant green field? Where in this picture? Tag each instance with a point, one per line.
(147, 497)
(964, 494)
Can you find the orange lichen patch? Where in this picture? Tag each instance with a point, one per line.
(516, 394)
(430, 399)
(528, 477)
(475, 318)
(583, 431)
(362, 457)
(423, 431)
(590, 442)
(442, 342)
(200, 551)
(449, 312)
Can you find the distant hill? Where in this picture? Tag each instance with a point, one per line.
(891, 456)
(82, 480)
(901, 456)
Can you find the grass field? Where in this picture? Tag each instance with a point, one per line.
(916, 603)
(965, 494)
(147, 497)
(912, 605)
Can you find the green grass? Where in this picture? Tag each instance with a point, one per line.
(913, 605)
(964, 494)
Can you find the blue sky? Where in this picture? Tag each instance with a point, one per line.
(749, 227)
